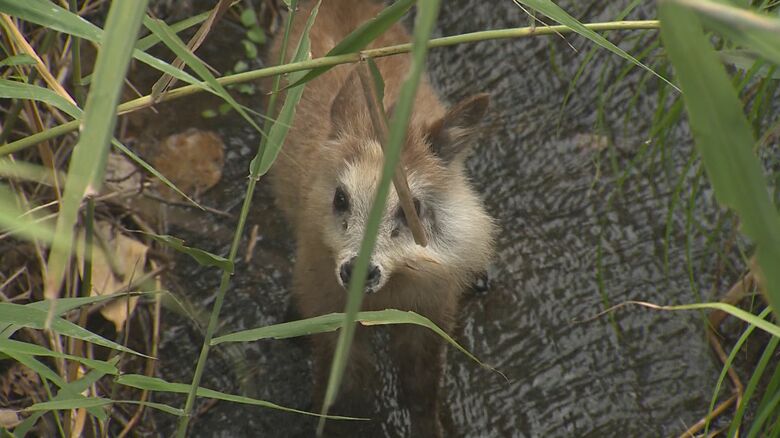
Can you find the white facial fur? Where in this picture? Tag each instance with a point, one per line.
(458, 229)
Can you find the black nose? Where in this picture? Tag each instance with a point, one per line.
(345, 273)
(373, 275)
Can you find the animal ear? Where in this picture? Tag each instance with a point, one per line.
(451, 136)
(348, 102)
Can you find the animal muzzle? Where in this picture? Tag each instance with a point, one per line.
(372, 280)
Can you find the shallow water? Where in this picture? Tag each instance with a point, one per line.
(573, 240)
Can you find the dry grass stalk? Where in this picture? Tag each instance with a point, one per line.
(379, 121)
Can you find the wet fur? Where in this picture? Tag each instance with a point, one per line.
(332, 142)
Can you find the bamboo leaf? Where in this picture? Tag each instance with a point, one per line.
(550, 9)
(88, 162)
(204, 258)
(160, 385)
(723, 137)
(361, 37)
(266, 156)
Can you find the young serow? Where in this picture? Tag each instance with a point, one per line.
(325, 180)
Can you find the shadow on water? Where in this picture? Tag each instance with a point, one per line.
(567, 227)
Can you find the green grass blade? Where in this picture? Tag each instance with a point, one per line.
(362, 36)
(69, 403)
(745, 60)
(22, 59)
(379, 83)
(203, 258)
(748, 317)
(63, 305)
(24, 171)
(723, 137)
(19, 90)
(173, 42)
(771, 389)
(427, 12)
(11, 347)
(88, 162)
(67, 390)
(727, 365)
(555, 12)
(12, 221)
(758, 32)
(30, 317)
(96, 402)
(333, 322)
(752, 385)
(54, 17)
(150, 41)
(763, 415)
(159, 385)
(273, 143)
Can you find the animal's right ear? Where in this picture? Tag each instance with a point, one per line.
(348, 102)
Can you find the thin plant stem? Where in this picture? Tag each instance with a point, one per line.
(75, 52)
(187, 90)
(184, 420)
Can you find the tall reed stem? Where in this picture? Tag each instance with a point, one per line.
(181, 431)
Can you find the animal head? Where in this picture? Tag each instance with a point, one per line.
(459, 231)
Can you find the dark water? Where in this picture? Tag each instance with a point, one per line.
(581, 227)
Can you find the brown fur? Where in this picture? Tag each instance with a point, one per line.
(326, 138)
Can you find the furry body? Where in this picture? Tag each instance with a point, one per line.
(325, 179)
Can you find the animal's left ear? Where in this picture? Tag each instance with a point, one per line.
(452, 135)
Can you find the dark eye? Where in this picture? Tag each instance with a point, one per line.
(402, 217)
(340, 201)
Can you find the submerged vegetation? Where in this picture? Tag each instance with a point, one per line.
(71, 244)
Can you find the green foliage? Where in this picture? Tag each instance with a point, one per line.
(203, 258)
